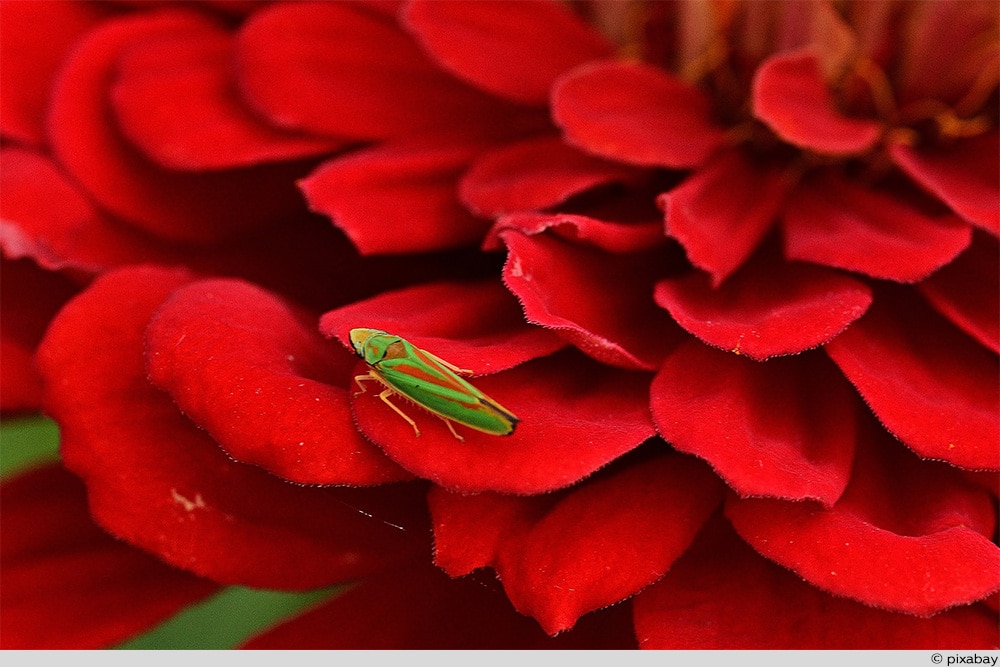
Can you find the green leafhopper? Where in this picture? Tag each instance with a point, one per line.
(430, 382)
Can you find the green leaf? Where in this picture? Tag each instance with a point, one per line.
(26, 442)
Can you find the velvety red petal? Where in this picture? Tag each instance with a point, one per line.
(158, 482)
(512, 49)
(346, 71)
(791, 96)
(599, 301)
(846, 225)
(575, 417)
(635, 113)
(784, 428)
(932, 386)
(253, 371)
(66, 584)
(768, 308)
(613, 237)
(398, 198)
(966, 291)
(422, 609)
(476, 325)
(175, 98)
(964, 176)
(592, 547)
(533, 174)
(30, 57)
(908, 535)
(175, 205)
(723, 596)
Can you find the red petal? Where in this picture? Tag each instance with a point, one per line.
(781, 429)
(598, 301)
(966, 291)
(847, 225)
(594, 546)
(533, 174)
(931, 386)
(254, 373)
(421, 609)
(723, 210)
(792, 98)
(477, 326)
(964, 176)
(768, 308)
(30, 58)
(175, 98)
(635, 113)
(575, 417)
(68, 585)
(512, 49)
(342, 70)
(908, 535)
(398, 198)
(613, 237)
(160, 483)
(721, 595)
(171, 204)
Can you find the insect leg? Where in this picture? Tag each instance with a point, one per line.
(361, 378)
(385, 399)
(451, 428)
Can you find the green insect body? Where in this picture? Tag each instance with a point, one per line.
(430, 382)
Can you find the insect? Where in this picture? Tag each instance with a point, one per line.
(430, 382)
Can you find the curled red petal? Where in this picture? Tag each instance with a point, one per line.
(909, 536)
(253, 371)
(791, 96)
(158, 482)
(879, 233)
(597, 300)
(514, 50)
(966, 291)
(344, 70)
(30, 58)
(723, 596)
(476, 326)
(722, 211)
(635, 113)
(596, 545)
(964, 176)
(931, 385)
(613, 237)
(66, 584)
(398, 198)
(533, 174)
(381, 613)
(177, 206)
(175, 98)
(768, 308)
(784, 428)
(575, 417)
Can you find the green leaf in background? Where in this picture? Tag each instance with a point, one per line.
(26, 442)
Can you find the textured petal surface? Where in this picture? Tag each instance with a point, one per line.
(721, 595)
(177, 206)
(791, 97)
(931, 385)
(254, 372)
(490, 43)
(636, 114)
(158, 482)
(783, 429)
(964, 176)
(769, 308)
(908, 535)
(723, 210)
(66, 584)
(594, 546)
(422, 609)
(398, 198)
(882, 234)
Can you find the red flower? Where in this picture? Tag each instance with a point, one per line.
(734, 267)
